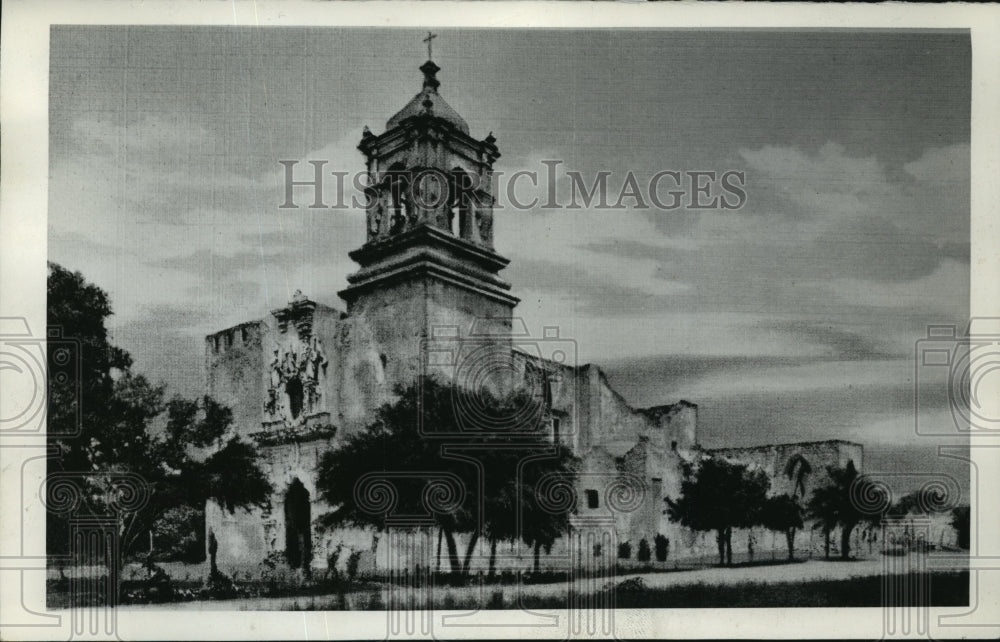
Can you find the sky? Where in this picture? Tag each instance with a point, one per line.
(795, 317)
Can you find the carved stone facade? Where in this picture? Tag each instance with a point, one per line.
(308, 375)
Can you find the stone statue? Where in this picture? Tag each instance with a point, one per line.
(316, 360)
(275, 370)
(375, 220)
(451, 218)
(484, 220)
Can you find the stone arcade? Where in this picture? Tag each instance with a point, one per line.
(305, 376)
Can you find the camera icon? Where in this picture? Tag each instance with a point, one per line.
(964, 370)
(503, 379)
(35, 372)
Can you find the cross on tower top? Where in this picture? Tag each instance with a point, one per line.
(428, 39)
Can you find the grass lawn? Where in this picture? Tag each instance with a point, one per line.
(946, 589)
(854, 583)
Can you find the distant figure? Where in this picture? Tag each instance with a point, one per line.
(213, 548)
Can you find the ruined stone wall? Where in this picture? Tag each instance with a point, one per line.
(773, 458)
(234, 362)
(661, 472)
(678, 422)
(606, 418)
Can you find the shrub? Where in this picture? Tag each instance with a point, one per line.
(632, 585)
(331, 561)
(624, 551)
(644, 553)
(156, 588)
(352, 565)
(179, 535)
(662, 546)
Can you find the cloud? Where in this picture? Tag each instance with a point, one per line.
(828, 182)
(836, 342)
(942, 165)
(159, 133)
(167, 343)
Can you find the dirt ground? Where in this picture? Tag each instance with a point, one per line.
(811, 570)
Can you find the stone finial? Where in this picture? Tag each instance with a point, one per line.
(298, 297)
(430, 75)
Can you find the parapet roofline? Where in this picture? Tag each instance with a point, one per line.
(649, 411)
(667, 408)
(244, 324)
(256, 322)
(786, 444)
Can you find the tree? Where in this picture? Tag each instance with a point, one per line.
(179, 535)
(543, 517)
(644, 554)
(783, 513)
(845, 502)
(182, 451)
(906, 505)
(662, 546)
(718, 496)
(961, 523)
(485, 463)
(797, 468)
(823, 506)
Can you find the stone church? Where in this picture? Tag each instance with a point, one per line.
(428, 297)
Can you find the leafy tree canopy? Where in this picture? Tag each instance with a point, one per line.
(781, 512)
(493, 476)
(717, 495)
(183, 450)
(847, 500)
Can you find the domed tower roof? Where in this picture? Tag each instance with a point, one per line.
(428, 101)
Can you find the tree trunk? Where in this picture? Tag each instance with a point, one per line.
(826, 543)
(469, 550)
(790, 538)
(845, 542)
(729, 547)
(493, 557)
(720, 540)
(538, 550)
(440, 535)
(449, 539)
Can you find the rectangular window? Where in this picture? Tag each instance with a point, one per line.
(592, 498)
(555, 430)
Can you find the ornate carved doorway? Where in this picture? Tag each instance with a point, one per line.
(298, 532)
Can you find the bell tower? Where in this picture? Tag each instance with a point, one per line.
(428, 261)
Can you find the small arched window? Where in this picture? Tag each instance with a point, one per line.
(397, 184)
(460, 203)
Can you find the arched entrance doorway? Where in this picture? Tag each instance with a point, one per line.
(298, 532)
